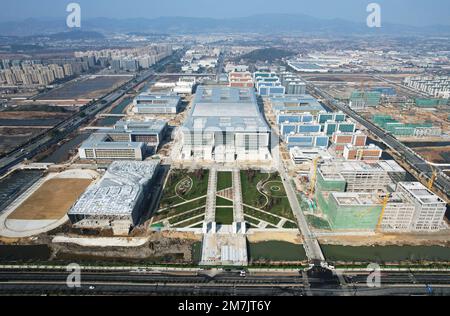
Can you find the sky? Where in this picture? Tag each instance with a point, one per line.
(407, 12)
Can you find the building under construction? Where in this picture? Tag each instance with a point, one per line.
(119, 197)
(348, 192)
(400, 129)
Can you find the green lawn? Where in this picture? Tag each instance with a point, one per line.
(262, 216)
(196, 252)
(180, 209)
(224, 180)
(290, 225)
(224, 216)
(250, 195)
(220, 201)
(251, 220)
(186, 216)
(280, 206)
(191, 222)
(278, 203)
(199, 186)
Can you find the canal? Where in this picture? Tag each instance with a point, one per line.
(386, 254)
(276, 251)
(24, 254)
(118, 109)
(64, 151)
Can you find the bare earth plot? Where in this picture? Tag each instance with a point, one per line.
(52, 200)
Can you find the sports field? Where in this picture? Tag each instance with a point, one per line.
(52, 200)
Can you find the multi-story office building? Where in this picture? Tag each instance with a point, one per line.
(225, 124)
(240, 80)
(398, 215)
(360, 176)
(324, 117)
(126, 141)
(295, 104)
(100, 147)
(361, 100)
(316, 140)
(352, 211)
(302, 128)
(429, 209)
(294, 86)
(147, 103)
(331, 127)
(295, 118)
(185, 85)
(340, 140)
(268, 84)
(369, 153)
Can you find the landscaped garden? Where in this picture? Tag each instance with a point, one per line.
(184, 198)
(264, 198)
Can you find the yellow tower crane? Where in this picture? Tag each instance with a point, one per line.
(314, 176)
(432, 179)
(383, 210)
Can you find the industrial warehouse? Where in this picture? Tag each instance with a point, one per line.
(118, 199)
(225, 124)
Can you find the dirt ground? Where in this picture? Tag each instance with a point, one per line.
(181, 235)
(435, 154)
(52, 200)
(9, 241)
(159, 249)
(293, 237)
(439, 239)
(32, 115)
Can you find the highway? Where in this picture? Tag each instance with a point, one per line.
(224, 283)
(417, 163)
(57, 133)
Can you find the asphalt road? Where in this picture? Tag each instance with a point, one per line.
(225, 284)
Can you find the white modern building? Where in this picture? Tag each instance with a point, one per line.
(398, 215)
(225, 124)
(120, 195)
(361, 176)
(128, 140)
(185, 85)
(147, 103)
(306, 155)
(429, 209)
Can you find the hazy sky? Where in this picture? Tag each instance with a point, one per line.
(409, 12)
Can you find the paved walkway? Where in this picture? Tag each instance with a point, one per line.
(211, 196)
(237, 195)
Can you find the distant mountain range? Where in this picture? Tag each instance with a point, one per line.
(266, 23)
